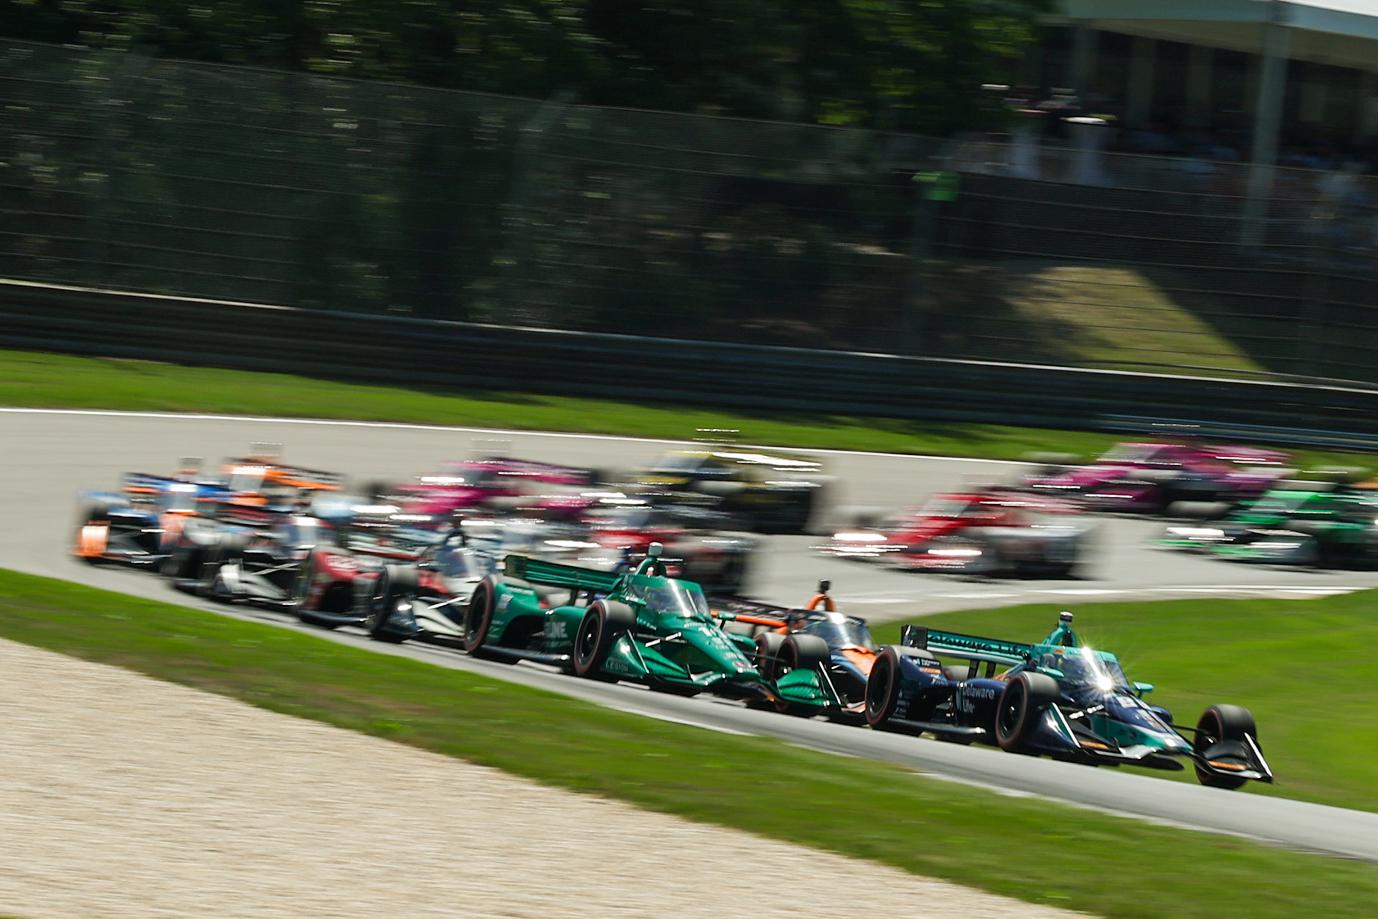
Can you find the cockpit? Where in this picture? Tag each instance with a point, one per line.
(668, 596)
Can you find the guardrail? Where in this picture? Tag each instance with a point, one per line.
(455, 355)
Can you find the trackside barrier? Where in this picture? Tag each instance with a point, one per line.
(452, 355)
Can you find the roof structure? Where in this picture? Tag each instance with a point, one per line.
(1339, 32)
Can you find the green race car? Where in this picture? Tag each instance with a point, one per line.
(1314, 525)
(639, 626)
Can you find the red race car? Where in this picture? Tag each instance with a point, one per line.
(986, 532)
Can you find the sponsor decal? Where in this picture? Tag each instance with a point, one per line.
(503, 602)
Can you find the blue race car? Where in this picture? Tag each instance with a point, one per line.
(1057, 698)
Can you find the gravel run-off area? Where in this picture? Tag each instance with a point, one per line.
(122, 796)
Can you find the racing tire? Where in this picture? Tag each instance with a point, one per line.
(393, 584)
(768, 654)
(184, 563)
(1222, 722)
(803, 652)
(227, 548)
(600, 627)
(883, 689)
(1026, 697)
(478, 617)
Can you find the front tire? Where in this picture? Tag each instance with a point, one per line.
(768, 654)
(1217, 723)
(600, 627)
(395, 583)
(883, 689)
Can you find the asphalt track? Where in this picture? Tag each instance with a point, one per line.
(48, 456)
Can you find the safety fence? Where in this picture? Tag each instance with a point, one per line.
(438, 353)
(122, 172)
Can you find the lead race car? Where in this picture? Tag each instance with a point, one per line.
(1058, 698)
(1312, 524)
(640, 626)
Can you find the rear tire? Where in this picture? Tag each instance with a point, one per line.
(1222, 722)
(600, 627)
(1026, 697)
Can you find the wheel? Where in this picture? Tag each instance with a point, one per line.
(185, 561)
(394, 584)
(1026, 697)
(803, 652)
(883, 689)
(227, 548)
(600, 627)
(1222, 722)
(301, 587)
(768, 654)
(478, 616)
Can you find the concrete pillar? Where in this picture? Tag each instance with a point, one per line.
(1081, 64)
(1139, 103)
(1272, 82)
(1200, 83)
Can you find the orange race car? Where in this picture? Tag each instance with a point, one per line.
(818, 658)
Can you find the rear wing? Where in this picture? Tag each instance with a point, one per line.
(967, 647)
(282, 475)
(554, 574)
(145, 483)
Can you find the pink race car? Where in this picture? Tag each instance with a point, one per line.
(1149, 478)
(479, 484)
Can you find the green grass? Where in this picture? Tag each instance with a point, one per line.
(1113, 316)
(45, 380)
(1306, 668)
(1025, 848)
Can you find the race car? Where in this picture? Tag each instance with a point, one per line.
(139, 524)
(610, 531)
(818, 659)
(246, 554)
(406, 579)
(641, 626)
(261, 478)
(477, 484)
(1311, 524)
(768, 492)
(1149, 478)
(988, 533)
(1057, 698)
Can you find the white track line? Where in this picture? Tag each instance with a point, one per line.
(403, 426)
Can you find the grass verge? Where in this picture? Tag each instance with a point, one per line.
(43, 380)
(1028, 849)
(1304, 667)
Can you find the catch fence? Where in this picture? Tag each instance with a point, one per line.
(118, 171)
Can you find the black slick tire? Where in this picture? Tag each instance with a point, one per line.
(1026, 697)
(395, 583)
(1217, 723)
(600, 627)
